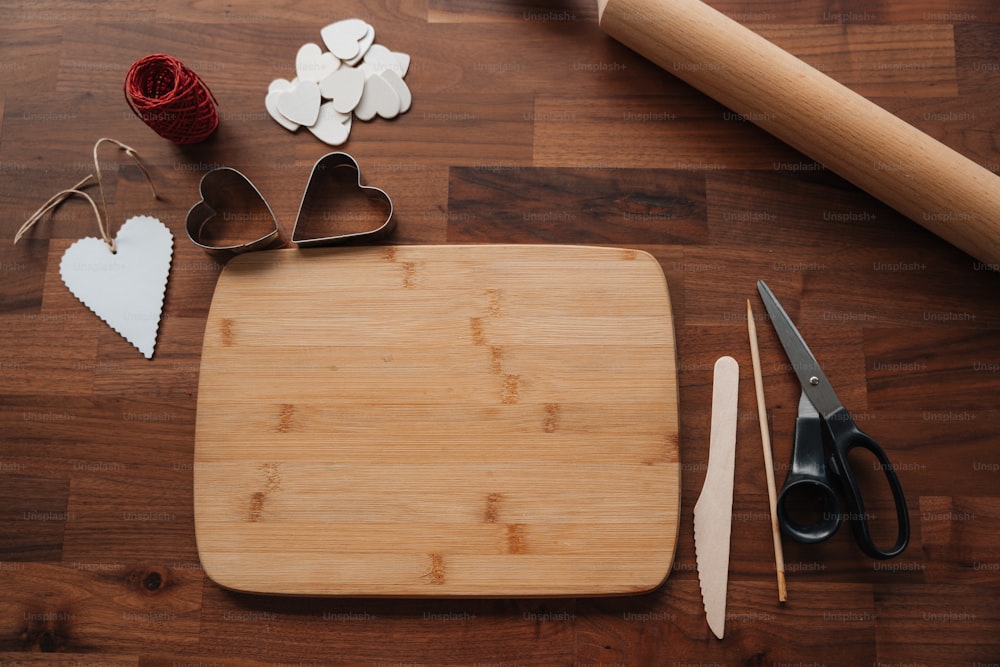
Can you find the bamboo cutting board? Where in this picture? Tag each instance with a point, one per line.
(438, 421)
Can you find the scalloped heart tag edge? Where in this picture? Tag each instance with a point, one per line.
(125, 288)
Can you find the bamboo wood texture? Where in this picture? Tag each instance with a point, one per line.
(450, 420)
(934, 185)
(529, 125)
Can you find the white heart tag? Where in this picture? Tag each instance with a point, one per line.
(300, 102)
(378, 99)
(274, 91)
(124, 288)
(344, 87)
(343, 38)
(312, 64)
(332, 127)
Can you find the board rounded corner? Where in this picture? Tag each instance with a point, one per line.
(225, 579)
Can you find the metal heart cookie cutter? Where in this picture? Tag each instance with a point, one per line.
(334, 198)
(227, 196)
(333, 194)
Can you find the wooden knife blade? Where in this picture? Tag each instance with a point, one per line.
(713, 513)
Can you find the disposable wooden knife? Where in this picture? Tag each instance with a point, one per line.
(713, 513)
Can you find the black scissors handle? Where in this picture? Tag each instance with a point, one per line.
(846, 436)
(808, 508)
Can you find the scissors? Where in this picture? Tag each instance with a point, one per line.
(824, 425)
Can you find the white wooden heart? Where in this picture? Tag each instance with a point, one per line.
(312, 64)
(363, 45)
(379, 98)
(332, 127)
(124, 288)
(404, 62)
(300, 102)
(379, 59)
(398, 85)
(344, 87)
(344, 38)
(274, 91)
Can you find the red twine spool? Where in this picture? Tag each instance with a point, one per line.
(171, 99)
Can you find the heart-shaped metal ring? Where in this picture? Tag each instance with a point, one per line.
(228, 194)
(335, 199)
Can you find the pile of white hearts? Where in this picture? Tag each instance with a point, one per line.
(356, 76)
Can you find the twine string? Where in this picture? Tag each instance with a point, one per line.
(52, 203)
(100, 184)
(102, 221)
(59, 198)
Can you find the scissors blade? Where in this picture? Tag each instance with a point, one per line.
(807, 369)
(806, 407)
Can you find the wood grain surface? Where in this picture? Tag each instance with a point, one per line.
(455, 420)
(528, 125)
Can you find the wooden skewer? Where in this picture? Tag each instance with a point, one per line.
(779, 557)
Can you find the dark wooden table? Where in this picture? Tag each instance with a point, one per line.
(528, 126)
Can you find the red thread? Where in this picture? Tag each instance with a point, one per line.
(171, 99)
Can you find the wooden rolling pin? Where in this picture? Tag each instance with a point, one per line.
(915, 174)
